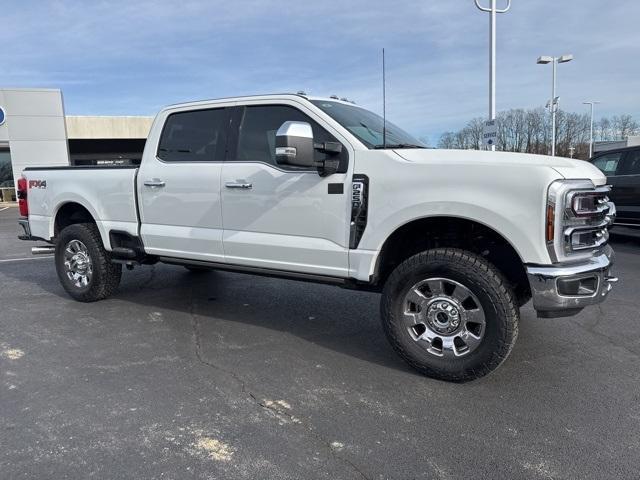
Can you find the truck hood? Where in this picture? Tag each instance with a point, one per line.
(565, 167)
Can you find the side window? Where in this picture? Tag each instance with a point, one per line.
(631, 163)
(258, 127)
(608, 163)
(194, 136)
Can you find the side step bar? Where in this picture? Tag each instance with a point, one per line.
(265, 272)
(47, 250)
(124, 253)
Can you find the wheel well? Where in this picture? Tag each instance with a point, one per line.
(435, 232)
(70, 214)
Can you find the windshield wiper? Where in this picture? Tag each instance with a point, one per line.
(371, 132)
(397, 145)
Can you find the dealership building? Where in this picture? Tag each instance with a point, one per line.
(34, 131)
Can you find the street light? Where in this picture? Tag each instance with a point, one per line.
(493, 10)
(592, 103)
(543, 60)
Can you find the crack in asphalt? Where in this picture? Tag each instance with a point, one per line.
(592, 329)
(254, 399)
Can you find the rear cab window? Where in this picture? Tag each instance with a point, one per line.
(194, 136)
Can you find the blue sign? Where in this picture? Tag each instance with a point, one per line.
(2, 116)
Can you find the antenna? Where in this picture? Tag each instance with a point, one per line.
(384, 105)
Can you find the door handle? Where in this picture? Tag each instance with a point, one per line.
(245, 186)
(154, 183)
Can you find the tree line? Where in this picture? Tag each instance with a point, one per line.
(529, 131)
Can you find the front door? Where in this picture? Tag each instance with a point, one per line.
(282, 217)
(179, 186)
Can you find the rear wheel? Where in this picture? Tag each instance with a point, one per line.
(83, 265)
(450, 314)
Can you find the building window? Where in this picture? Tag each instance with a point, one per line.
(6, 172)
(106, 151)
(7, 192)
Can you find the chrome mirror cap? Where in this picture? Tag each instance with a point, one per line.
(294, 144)
(295, 129)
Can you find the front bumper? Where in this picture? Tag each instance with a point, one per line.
(562, 291)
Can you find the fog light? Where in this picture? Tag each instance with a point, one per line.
(576, 287)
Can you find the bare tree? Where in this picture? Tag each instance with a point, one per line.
(603, 130)
(623, 126)
(447, 140)
(474, 129)
(530, 131)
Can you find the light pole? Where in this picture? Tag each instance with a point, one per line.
(592, 103)
(543, 60)
(492, 10)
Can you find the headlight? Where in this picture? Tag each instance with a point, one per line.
(582, 239)
(585, 204)
(578, 214)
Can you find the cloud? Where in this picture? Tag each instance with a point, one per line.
(123, 57)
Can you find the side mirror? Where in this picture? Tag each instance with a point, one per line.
(294, 144)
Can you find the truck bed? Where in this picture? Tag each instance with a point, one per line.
(82, 167)
(108, 193)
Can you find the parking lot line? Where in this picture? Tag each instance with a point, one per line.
(3, 209)
(6, 260)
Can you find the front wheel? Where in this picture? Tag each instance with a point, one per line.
(83, 265)
(450, 314)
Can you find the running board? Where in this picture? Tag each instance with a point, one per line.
(47, 250)
(265, 272)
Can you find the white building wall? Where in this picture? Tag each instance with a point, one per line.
(34, 128)
(90, 127)
(631, 141)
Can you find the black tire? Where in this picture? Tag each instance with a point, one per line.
(105, 276)
(484, 281)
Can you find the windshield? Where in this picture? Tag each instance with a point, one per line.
(367, 126)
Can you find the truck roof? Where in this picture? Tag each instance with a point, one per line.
(259, 97)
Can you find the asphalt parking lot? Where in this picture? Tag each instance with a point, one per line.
(221, 375)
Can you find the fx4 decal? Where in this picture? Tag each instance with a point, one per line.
(37, 184)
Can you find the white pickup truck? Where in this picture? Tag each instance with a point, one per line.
(319, 189)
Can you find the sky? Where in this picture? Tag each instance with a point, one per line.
(133, 57)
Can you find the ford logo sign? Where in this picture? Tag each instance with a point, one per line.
(2, 116)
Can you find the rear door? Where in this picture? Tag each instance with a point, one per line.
(628, 188)
(282, 217)
(179, 186)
